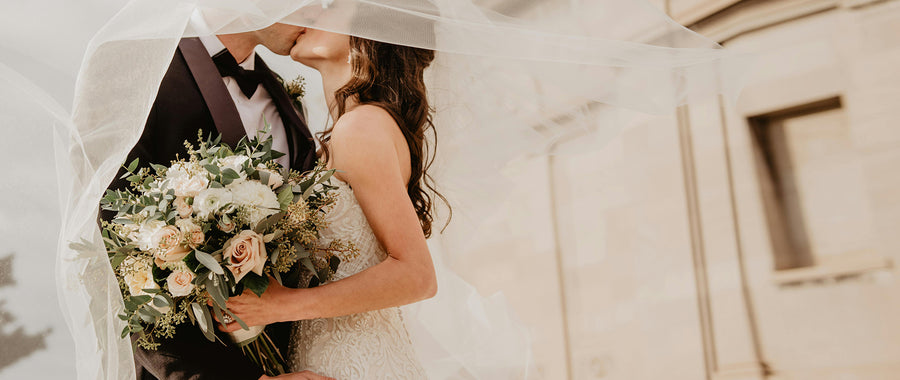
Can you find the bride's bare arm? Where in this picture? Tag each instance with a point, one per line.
(364, 146)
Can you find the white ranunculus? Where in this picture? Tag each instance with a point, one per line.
(210, 201)
(143, 237)
(235, 163)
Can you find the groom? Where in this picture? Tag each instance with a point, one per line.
(219, 84)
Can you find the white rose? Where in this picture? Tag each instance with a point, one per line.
(252, 193)
(144, 235)
(178, 171)
(235, 163)
(257, 199)
(245, 253)
(185, 183)
(140, 278)
(180, 283)
(191, 186)
(209, 201)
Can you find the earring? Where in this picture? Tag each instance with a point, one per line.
(349, 58)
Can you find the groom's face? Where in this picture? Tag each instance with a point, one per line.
(279, 38)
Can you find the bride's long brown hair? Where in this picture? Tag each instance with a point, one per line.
(392, 77)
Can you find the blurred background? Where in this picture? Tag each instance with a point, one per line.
(747, 240)
(754, 240)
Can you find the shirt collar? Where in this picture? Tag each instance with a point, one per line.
(213, 46)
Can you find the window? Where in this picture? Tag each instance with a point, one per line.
(813, 187)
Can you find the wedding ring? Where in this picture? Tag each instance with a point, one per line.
(227, 319)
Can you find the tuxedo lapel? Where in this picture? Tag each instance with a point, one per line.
(302, 148)
(224, 113)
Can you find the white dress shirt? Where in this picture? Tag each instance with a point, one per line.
(256, 111)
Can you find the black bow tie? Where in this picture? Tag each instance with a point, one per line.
(248, 80)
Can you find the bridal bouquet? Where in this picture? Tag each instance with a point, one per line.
(208, 227)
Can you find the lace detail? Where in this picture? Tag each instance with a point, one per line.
(370, 345)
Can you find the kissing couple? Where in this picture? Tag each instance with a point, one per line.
(350, 327)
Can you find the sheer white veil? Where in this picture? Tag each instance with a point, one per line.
(502, 87)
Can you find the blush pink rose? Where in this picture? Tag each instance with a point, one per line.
(169, 241)
(193, 233)
(180, 283)
(183, 208)
(245, 253)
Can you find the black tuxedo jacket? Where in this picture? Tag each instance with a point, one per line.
(192, 97)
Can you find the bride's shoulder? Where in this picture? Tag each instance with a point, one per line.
(365, 124)
(366, 118)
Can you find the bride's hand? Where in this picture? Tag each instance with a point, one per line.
(257, 310)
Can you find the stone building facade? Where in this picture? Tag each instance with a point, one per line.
(754, 240)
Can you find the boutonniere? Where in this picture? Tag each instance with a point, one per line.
(295, 89)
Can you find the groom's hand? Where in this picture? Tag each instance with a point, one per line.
(305, 375)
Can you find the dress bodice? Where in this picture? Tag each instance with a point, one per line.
(369, 345)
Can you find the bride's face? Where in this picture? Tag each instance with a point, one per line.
(315, 48)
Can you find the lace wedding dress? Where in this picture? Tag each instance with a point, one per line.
(370, 345)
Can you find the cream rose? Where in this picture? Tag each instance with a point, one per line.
(245, 253)
(170, 249)
(182, 207)
(191, 231)
(140, 277)
(180, 283)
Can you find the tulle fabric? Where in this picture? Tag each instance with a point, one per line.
(502, 88)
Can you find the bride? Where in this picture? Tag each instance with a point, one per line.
(352, 328)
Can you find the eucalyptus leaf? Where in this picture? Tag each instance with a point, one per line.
(218, 312)
(212, 169)
(215, 292)
(325, 177)
(238, 320)
(161, 301)
(133, 165)
(308, 264)
(146, 316)
(204, 321)
(158, 168)
(208, 261)
(285, 197)
(230, 174)
(256, 283)
(268, 222)
(152, 311)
